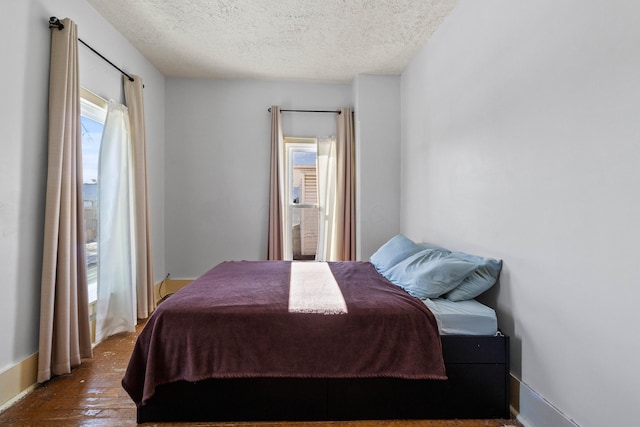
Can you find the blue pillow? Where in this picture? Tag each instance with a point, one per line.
(430, 273)
(400, 273)
(435, 247)
(482, 278)
(392, 252)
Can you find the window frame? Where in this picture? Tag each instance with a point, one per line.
(291, 144)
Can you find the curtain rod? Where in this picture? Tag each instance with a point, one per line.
(55, 23)
(308, 111)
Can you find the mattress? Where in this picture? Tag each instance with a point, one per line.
(463, 317)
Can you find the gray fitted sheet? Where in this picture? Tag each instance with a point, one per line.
(463, 317)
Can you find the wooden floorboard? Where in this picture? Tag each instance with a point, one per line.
(91, 395)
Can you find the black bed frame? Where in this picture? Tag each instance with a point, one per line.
(477, 387)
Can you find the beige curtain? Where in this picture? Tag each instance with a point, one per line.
(346, 185)
(275, 231)
(142, 225)
(64, 308)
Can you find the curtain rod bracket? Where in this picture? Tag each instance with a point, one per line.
(55, 23)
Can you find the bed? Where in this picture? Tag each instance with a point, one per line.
(248, 342)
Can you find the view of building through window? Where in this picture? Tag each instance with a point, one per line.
(92, 124)
(303, 224)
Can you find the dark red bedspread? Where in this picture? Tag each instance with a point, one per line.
(234, 322)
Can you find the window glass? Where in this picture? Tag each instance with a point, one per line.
(302, 221)
(93, 112)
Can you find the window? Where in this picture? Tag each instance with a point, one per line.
(93, 112)
(301, 189)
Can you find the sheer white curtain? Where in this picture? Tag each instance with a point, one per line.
(116, 305)
(327, 181)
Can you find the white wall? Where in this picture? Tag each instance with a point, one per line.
(377, 121)
(521, 132)
(23, 148)
(217, 170)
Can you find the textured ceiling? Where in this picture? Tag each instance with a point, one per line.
(318, 40)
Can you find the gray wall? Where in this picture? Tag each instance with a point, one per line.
(217, 171)
(377, 120)
(23, 149)
(217, 167)
(217, 162)
(520, 141)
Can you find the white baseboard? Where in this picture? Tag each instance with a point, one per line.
(18, 381)
(534, 411)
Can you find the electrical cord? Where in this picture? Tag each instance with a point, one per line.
(163, 297)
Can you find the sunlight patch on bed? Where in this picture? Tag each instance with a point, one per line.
(313, 289)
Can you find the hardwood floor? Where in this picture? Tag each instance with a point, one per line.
(92, 396)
